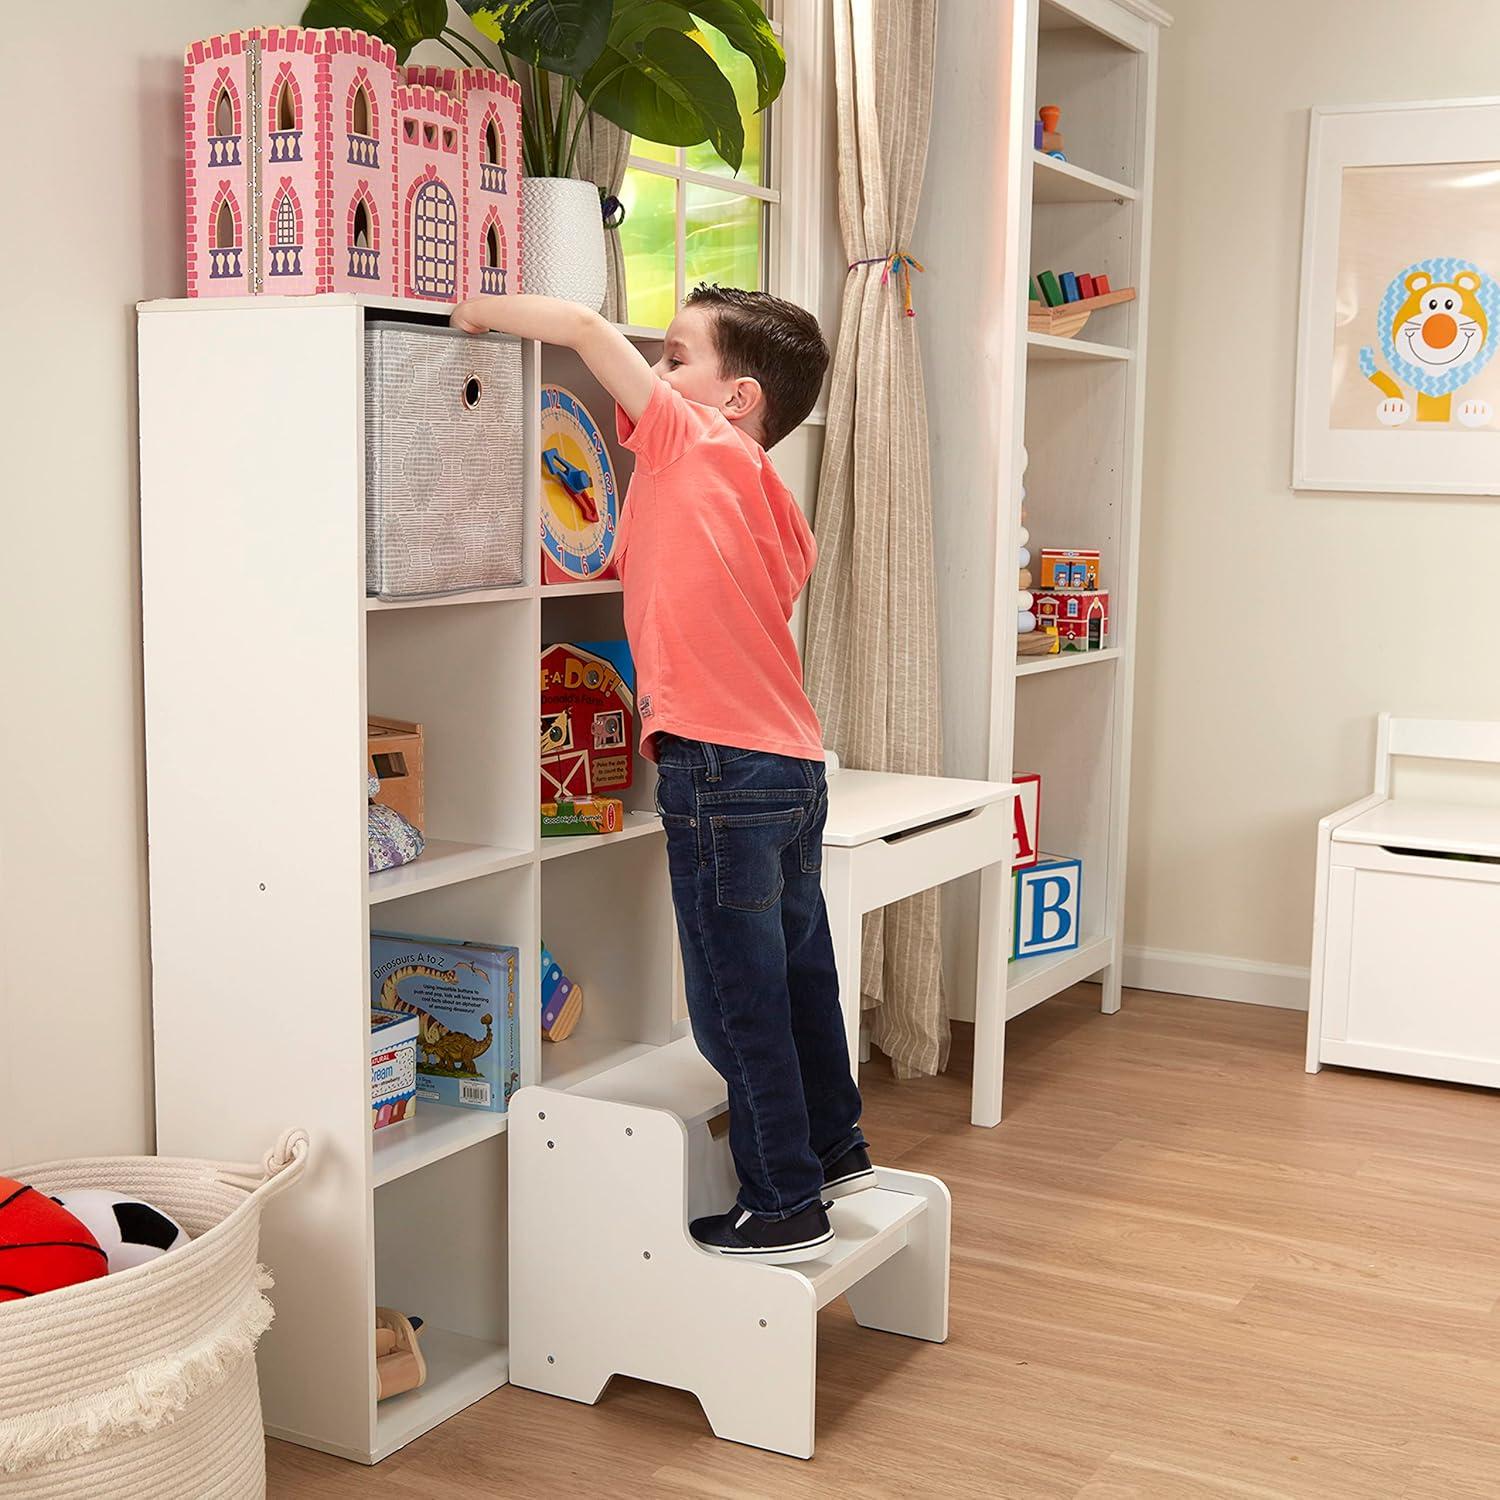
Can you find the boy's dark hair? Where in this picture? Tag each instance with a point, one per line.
(777, 342)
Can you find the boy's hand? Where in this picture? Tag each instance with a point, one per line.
(616, 363)
(465, 317)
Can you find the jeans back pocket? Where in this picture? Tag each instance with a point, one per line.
(748, 850)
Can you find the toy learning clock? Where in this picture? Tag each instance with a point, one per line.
(580, 504)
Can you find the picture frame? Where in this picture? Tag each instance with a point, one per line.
(1398, 347)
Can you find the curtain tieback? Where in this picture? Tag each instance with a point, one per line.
(611, 210)
(898, 264)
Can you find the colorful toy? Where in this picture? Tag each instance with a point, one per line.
(562, 1000)
(585, 816)
(42, 1246)
(315, 164)
(395, 758)
(580, 501)
(1081, 617)
(128, 1231)
(1063, 315)
(588, 723)
(456, 990)
(1045, 134)
(1026, 845)
(1070, 568)
(1046, 911)
(393, 1066)
(399, 1365)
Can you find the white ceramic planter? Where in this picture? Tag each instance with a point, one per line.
(562, 239)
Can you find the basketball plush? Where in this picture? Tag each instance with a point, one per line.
(128, 1231)
(42, 1246)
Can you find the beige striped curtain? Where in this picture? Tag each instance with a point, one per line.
(872, 627)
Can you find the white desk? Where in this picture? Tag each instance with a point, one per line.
(890, 836)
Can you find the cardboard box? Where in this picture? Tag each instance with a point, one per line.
(394, 750)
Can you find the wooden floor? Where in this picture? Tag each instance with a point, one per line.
(1181, 1268)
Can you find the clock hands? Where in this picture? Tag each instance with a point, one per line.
(575, 481)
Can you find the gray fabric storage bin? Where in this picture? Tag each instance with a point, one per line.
(444, 450)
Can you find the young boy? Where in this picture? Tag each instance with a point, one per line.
(713, 552)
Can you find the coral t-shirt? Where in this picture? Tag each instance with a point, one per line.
(713, 552)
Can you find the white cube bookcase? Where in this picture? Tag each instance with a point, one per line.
(263, 657)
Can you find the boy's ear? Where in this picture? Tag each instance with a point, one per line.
(745, 398)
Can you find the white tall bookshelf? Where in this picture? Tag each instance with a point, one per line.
(263, 658)
(995, 211)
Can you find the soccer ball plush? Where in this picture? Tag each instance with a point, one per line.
(42, 1245)
(129, 1232)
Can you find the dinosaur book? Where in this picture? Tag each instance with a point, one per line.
(464, 996)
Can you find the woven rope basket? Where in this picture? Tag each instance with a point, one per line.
(142, 1384)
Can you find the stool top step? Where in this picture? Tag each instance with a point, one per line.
(674, 1077)
(1413, 823)
(867, 805)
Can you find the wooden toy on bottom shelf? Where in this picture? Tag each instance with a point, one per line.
(1028, 824)
(562, 1000)
(1081, 617)
(1069, 568)
(394, 749)
(579, 498)
(587, 734)
(393, 1066)
(399, 1365)
(1046, 910)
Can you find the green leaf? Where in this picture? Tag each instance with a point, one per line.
(562, 36)
(744, 24)
(634, 20)
(666, 88)
(402, 23)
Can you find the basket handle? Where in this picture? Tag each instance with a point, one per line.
(281, 1166)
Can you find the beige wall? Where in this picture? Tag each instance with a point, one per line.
(1274, 626)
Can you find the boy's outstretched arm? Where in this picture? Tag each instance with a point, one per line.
(617, 364)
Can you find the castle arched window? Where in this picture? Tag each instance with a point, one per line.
(286, 235)
(286, 107)
(491, 142)
(359, 111)
(364, 237)
(492, 162)
(492, 247)
(361, 236)
(286, 220)
(492, 258)
(224, 113)
(434, 239)
(224, 238)
(224, 247)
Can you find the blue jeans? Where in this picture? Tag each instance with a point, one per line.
(745, 848)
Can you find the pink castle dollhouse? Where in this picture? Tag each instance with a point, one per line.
(315, 164)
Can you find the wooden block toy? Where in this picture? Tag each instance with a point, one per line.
(1041, 640)
(1047, 906)
(1070, 568)
(562, 1000)
(1085, 285)
(1101, 287)
(1026, 848)
(1070, 287)
(1052, 292)
(1080, 617)
(588, 723)
(1066, 320)
(1050, 115)
(394, 749)
(1052, 143)
(314, 162)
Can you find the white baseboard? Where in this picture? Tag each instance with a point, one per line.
(1214, 977)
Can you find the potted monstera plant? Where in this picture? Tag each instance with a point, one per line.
(638, 63)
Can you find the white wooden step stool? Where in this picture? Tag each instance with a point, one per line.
(605, 1281)
(890, 836)
(1406, 923)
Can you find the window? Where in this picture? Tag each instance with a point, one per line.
(687, 217)
(224, 113)
(361, 235)
(359, 113)
(286, 107)
(224, 236)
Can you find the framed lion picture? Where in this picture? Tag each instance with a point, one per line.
(1398, 384)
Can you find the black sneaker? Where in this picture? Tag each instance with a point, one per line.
(851, 1173)
(777, 1242)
